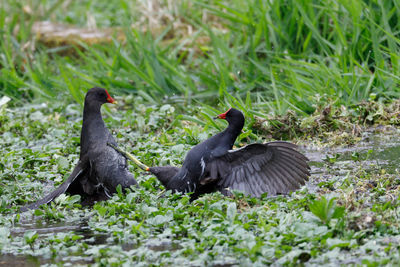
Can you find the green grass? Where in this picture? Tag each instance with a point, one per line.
(273, 55)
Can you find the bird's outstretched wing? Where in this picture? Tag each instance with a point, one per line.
(273, 168)
(78, 170)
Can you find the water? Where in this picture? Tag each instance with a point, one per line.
(378, 148)
(79, 227)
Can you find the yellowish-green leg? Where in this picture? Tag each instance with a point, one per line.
(131, 157)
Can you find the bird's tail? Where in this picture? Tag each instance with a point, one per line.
(79, 168)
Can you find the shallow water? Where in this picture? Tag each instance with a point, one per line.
(379, 147)
(78, 227)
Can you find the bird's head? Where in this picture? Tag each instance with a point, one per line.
(231, 115)
(99, 95)
(164, 173)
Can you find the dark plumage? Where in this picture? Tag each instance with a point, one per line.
(273, 168)
(100, 168)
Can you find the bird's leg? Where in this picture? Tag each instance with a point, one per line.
(130, 156)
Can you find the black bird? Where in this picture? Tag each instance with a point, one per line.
(100, 168)
(273, 168)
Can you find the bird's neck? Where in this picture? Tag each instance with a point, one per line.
(232, 131)
(92, 127)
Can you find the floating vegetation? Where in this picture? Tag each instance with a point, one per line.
(347, 212)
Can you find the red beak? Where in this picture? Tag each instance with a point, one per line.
(222, 115)
(109, 98)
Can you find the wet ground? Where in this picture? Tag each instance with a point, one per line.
(378, 148)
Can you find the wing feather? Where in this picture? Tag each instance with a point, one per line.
(256, 166)
(275, 167)
(214, 170)
(250, 167)
(299, 157)
(289, 185)
(267, 183)
(296, 171)
(278, 177)
(251, 183)
(261, 183)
